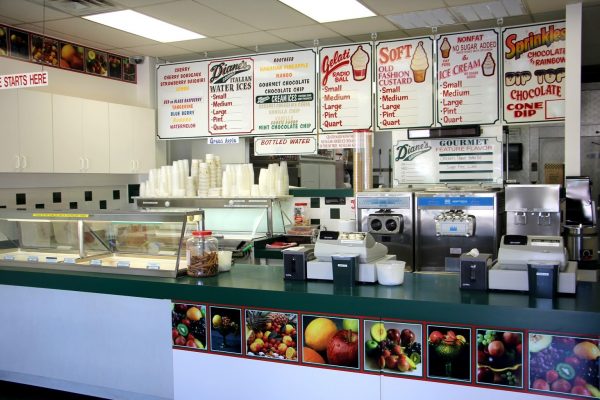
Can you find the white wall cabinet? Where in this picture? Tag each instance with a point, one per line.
(81, 136)
(26, 132)
(132, 139)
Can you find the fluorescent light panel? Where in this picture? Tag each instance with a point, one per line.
(143, 25)
(330, 10)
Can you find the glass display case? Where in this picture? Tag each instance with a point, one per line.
(122, 242)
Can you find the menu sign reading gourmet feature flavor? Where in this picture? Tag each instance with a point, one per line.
(468, 78)
(231, 96)
(345, 87)
(285, 92)
(534, 72)
(182, 100)
(404, 83)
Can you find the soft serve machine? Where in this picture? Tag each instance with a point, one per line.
(450, 221)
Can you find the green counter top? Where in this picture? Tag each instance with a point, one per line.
(423, 297)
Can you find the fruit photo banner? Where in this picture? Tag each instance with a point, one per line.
(48, 51)
(534, 59)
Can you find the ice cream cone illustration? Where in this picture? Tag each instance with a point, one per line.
(419, 63)
(488, 67)
(445, 48)
(359, 61)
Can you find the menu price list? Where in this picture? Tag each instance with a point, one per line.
(346, 77)
(404, 83)
(468, 78)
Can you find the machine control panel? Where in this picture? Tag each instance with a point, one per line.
(454, 223)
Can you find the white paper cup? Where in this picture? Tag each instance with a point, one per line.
(224, 260)
(390, 272)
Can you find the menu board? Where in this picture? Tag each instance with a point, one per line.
(468, 78)
(534, 72)
(285, 93)
(231, 96)
(182, 98)
(448, 160)
(345, 87)
(404, 82)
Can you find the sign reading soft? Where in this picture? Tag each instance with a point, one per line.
(534, 72)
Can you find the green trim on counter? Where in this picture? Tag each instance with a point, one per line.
(300, 192)
(433, 298)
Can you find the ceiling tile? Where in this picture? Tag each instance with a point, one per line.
(537, 6)
(197, 18)
(301, 33)
(261, 14)
(96, 32)
(9, 20)
(158, 50)
(278, 47)
(61, 36)
(440, 30)
(139, 3)
(453, 3)
(549, 16)
(202, 45)
(388, 7)
(29, 12)
(508, 21)
(250, 39)
(361, 25)
(325, 42)
(397, 34)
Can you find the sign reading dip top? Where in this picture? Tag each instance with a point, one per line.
(345, 87)
(404, 83)
(534, 72)
(468, 78)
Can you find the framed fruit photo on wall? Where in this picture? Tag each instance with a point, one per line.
(272, 335)
(331, 341)
(393, 347)
(449, 353)
(188, 325)
(564, 365)
(225, 330)
(499, 358)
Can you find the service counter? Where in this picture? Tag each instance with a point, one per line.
(113, 335)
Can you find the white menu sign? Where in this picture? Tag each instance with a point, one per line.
(468, 78)
(182, 97)
(231, 96)
(345, 87)
(282, 145)
(285, 93)
(404, 82)
(534, 72)
(448, 160)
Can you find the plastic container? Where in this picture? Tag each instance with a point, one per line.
(390, 272)
(202, 253)
(300, 217)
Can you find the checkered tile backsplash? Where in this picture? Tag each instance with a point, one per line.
(328, 211)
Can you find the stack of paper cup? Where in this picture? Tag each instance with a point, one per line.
(203, 180)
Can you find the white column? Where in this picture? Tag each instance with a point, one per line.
(573, 91)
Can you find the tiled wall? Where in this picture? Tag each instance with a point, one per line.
(328, 211)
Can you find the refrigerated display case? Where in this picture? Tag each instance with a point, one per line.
(122, 242)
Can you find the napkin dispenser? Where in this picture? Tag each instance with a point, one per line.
(294, 262)
(474, 271)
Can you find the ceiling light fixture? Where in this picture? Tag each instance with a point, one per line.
(330, 10)
(143, 25)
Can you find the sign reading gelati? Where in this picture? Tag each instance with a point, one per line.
(285, 94)
(182, 100)
(231, 96)
(447, 160)
(345, 87)
(468, 78)
(404, 82)
(26, 79)
(282, 145)
(534, 72)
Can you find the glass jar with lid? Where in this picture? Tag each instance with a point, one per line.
(202, 251)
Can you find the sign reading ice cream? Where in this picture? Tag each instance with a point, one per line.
(468, 78)
(404, 82)
(345, 87)
(534, 72)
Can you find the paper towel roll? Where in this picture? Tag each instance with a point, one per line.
(347, 225)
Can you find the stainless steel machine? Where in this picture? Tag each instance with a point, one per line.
(450, 221)
(533, 210)
(387, 214)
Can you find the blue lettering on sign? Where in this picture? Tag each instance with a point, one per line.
(453, 228)
(455, 201)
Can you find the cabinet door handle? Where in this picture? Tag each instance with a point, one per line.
(137, 165)
(132, 165)
(24, 162)
(81, 164)
(87, 163)
(18, 163)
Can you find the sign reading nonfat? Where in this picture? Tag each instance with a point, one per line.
(285, 93)
(404, 81)
(345, 87)
(534, 72)
(468, 78)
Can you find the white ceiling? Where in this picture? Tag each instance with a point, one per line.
(235, 27)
